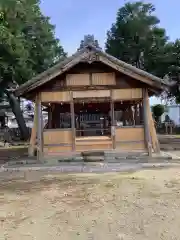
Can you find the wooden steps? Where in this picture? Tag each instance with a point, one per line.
(93, 143)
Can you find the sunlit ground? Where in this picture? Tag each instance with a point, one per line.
(142, 205)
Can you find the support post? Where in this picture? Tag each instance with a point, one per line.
(112, 122)
(39, 129)
(50, 116)
(72, 121)
(32, 144)
(146, 122)
(153, 134)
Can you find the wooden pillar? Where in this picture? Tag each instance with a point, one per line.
(50, 116)
(32, 145)
(146, 122)
(112, 122)
(141, 113)
(72, 122)
(153, 134)
(136, 115)
(39, 130)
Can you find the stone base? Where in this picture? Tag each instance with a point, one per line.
(100, 156)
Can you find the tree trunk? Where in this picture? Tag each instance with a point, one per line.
(15, 106)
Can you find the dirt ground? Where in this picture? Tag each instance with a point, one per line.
(141, 205)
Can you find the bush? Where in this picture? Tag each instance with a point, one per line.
(158, 111)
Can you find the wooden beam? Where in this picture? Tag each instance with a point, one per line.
(146, 122)
(72, 121)
(112, 121)
(32, 145)
(91, 94)
(90, 78)
(39, 129)
(42, 136)
(153, 134)
(50, 116)
(55, 96)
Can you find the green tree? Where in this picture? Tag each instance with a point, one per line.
(158, 111)
(174, 70)
(136, 38)
(27, 46)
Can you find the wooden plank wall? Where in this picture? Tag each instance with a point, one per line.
(82, 79)
(103, 79)
(139, 146)
(130, 138)
(57, 141)
(55, 96)
(90, 147)
(94, 145)
(91, 94)
(127, 94)
(130, 134)
(57, 137)
(117, 94)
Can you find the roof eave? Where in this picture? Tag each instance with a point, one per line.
(57, 69)
(23, 89)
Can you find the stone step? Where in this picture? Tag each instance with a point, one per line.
(21, 162)
(124, 155)
(93, 159)
(63, 158)
(92, 153)
(170, 146)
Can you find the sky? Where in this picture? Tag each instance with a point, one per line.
(75, 18)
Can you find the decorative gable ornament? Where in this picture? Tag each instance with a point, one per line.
(90, 57)
(89, 40)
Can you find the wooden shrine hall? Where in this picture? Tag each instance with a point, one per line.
(94, 102)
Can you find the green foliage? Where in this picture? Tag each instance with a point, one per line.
(174, 70)
(136, 38)
(27, 42)
(27, 47)
(158, 111)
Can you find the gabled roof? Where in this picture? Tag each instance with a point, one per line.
(90, 53)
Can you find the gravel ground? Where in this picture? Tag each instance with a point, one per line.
(48, 205)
